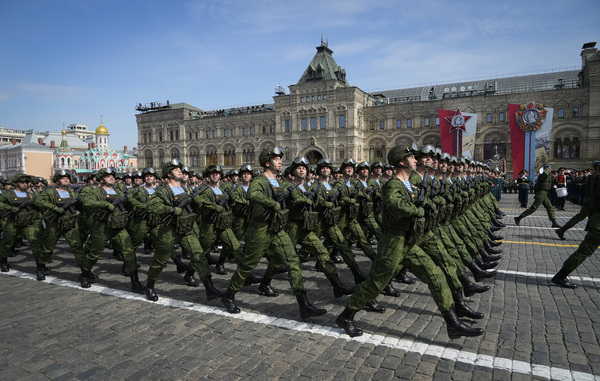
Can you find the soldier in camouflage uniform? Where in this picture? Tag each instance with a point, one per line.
(172, 203)
(16, 205)
(542, 186)
(591, 242)
(58, 206)
(266, 232)
(394, 247)
(110, 220)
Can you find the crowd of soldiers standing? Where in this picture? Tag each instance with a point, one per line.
(427, 212)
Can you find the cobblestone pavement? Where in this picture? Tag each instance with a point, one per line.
(56, 330)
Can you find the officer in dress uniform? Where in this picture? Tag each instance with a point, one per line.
(524, 182)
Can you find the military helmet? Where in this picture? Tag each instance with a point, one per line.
(234, 172)
(137, 175)
(445, 157)
(337, 170)
(103, 172)
(21, 177)
(363, 165)
(267, 154)
(61, 173)
(246, 168)
(214, 168)
(299, 162)
(454, 160)
(348, 163)
(427, 150)
(376, 164)
(186, 170)
(312, 169)
(149, 171)
(324, 162)
(387, 166)
(167, 167)
(399, 153)
(256, 173)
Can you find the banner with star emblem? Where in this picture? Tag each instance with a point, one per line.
(530, 129)
(457, 132)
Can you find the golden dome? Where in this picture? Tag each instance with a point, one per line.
(101, 130)
(63, 132)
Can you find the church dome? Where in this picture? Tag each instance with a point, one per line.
(101, 130)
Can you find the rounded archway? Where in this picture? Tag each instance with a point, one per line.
(314, 156)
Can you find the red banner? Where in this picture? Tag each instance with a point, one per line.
(447, 138)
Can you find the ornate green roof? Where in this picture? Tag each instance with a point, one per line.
(323, 67)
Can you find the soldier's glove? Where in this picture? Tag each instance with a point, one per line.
(59, 210)
(219, 209)
(110, 206)
(276, 207)
(176, 210)
(14, 210)
(328, 204)
(420, 212)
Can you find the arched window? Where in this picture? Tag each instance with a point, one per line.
(211, 157)
(558, 149)
(148, 159)
(161, 158)
(175, 153)
(377, 153)
(195, 157)
(494, 147)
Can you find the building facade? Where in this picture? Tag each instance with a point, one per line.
(324, 116)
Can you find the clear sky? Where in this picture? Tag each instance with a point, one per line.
(70, 61)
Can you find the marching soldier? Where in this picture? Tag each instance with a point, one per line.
(110, 220)
(542, 186)
(266, 231)
(16, 206)
(172, 203)
(59, 219)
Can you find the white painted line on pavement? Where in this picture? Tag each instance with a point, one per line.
(486, 361)
(548, 276)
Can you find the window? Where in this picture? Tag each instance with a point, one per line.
(341, 153)
(322, 123)
(176, 135)
(264, 130)
(342, 121)
(319, 98)
(171, 135)
(244, 131)
(313, 98)
(303, 124)
(301, 99)
(196, 135)
(437, 121)
(225, 132)
(408, 123)
(575, 112)
(382, 125)
(287, 125)
(214, 133)
(426, 122)
(313, 123)
(501, 117)
(251, 130)
(399, 123)
(325, 97)
(232, 132)
(160, 136)
(488, 117)
(561, 113)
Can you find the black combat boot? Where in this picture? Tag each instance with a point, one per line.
(487, 256)
(402, 277)
(211, 291)
(517, 220)
(374, 306)
(229, 302)
(470, 288)
(149, 291)
(4, 266)
(210, 259)
(181, 267)
(389, 290)
(490, 250)
(124, 270)
(561, 233)
(136, 286)
(494, 243)
(561, 279)
(83, 279)
(498, 223)
(456, 328)
(265, 288)
(40, 272)
(478, 273)
(306, 309)
(494, 228)
(345, 320)
(189, 279)
(252, 279)
(335, 257)
(555, 224)
(339, 289)
(359, 277)
(495, 237)
(220, 266)
(484, 264)
(462, 309)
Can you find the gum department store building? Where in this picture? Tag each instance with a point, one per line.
(324, 116)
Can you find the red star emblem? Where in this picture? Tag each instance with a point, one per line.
(457, 121)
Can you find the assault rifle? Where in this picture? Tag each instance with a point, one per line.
(70, 206)
(185, 203)
(117, 203)
(280, 198)
(421, 197)
(22, 205)
(224, 202)
(311, 196)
